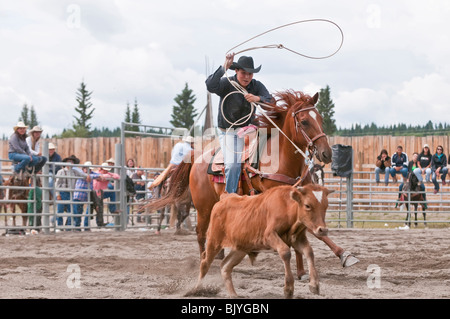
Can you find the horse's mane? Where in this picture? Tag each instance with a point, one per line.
(277, 111)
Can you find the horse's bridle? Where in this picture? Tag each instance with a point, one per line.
(298, 125)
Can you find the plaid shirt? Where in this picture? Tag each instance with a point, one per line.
(83, 184)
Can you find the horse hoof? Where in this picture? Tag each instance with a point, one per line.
(348, 259)
(305, 277)
(314, 289)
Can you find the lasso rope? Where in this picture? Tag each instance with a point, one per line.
(281, 46)
(240, 89)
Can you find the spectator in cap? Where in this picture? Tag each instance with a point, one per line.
(20, 152)
(54, 157)
(65, 183)
(424, 163)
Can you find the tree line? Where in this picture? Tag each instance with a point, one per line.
(184, 113)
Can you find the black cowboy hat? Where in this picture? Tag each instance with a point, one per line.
(72, 158)
(245, 63)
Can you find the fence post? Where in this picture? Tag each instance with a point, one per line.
(119, 158)
(46, 191)
(349, 182)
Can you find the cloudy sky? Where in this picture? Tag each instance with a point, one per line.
(393, 67)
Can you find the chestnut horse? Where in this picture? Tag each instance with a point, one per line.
(296, 115)
(19, 193)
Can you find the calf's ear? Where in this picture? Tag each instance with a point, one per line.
(296, 196)
(328, 191)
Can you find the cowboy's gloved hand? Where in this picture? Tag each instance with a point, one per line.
(228, 60)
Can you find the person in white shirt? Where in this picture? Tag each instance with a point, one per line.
(33, 140)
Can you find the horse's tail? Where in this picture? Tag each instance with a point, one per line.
(178, 186)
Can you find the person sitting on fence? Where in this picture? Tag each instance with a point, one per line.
(399, 163)
(34, 135)
(383, 164)
(412, 166)
(64, 185)
(438, 167)
(424, 164)
(99, 187)
(20, 152)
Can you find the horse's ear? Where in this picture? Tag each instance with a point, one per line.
(315, 98)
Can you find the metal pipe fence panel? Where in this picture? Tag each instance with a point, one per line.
(355, 202)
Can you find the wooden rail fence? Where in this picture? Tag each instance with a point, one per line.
(155, 152)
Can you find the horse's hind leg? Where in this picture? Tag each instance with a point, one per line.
(183, 212)
(161, 218)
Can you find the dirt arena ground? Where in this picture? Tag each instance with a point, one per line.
(107, 264)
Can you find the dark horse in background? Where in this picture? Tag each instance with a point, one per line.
(317, 174)
(411, 188)
(296, 115)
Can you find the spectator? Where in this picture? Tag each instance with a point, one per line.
(81, 194)
(33, 140)
(399, 164)
(412, 166)
(65, 183)
(54, 157)
(438, 167)
(131, 165)
(30, 205)
(383, 164)
(424, 164)
(53, 169)
(20, 152)
(139, 185)
(99, 187)
(110, 194)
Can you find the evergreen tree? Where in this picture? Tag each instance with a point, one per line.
(135, 116)
(82, 126)
(325, 106)
(33, 117)
(28, 116)
(128, 117)
(24, 115)
(183, 113)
